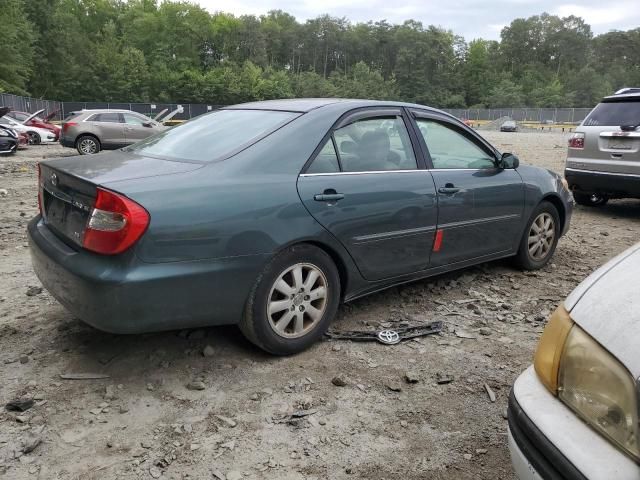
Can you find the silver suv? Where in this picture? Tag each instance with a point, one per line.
(90, 131)
(604, 153)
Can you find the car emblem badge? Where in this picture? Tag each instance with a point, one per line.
(388, 337)
(54, 179)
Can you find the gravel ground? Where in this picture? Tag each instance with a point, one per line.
(143, 422)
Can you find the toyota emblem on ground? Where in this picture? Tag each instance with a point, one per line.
(388, 337)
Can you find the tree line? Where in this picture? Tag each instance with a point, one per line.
(175, 51)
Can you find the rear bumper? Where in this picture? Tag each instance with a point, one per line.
(550, 441)
(122, 294)
(610, 184)
(65, 142)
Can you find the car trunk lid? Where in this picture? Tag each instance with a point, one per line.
(68, 186)
(33, 115)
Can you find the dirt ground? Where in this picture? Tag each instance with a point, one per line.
(143, 422)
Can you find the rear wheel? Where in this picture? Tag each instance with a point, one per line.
(87, 145)
(34, 138)
(293, 301)
(540, 238)
(590, 199)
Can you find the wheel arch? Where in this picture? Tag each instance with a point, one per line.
(86, 134)
(336, 257)
(556, 201)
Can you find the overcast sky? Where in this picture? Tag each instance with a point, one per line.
(470, 18)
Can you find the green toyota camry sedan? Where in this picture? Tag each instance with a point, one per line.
(269, 214)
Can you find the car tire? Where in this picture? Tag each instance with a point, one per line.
(34, 138)
(590, 199)
(88, 145)
(540, 238)
(278, 315)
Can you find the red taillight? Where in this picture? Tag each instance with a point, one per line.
(39, 189)
(65, 126)
(115, 224)
(576, 140)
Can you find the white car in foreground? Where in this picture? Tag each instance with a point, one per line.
(41, 135)
(574, 413)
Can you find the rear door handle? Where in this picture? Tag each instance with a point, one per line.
(329, 195)
(448, 189)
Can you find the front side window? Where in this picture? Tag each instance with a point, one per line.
(213, 135)
(450, 149)
(375, 144)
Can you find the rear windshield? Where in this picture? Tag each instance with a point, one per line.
(614, 114)
(214, 135)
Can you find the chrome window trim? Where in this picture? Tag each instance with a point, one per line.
(369, 172)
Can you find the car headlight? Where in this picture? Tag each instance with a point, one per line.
(590, 381)
(4, 133)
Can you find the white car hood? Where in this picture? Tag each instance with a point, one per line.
(607, 306)
(33, 116)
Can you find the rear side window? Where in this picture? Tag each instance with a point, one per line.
(326, 161)
(105, 118)
(614, 114)
(214, 135)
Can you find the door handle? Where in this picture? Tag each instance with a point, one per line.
(449, 189)
(329, 195)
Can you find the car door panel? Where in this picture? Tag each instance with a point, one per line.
(386, 221)
(480, 205)
(382, 212)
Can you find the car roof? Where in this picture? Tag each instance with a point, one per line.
(304, 105)
(623, 94)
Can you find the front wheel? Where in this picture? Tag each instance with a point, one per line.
(590, 199)
(293, 301)
(34, 138)
(540, 237)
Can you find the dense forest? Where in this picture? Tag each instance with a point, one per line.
(145, 50)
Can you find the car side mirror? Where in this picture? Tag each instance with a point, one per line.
(348, 147)
(509, 160)
(147, 124)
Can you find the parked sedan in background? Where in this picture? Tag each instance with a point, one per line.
(509, 126)
(8, 140)
(269, 214)
(34, 120)
(36, 135)
(90, 131)
(574, 415)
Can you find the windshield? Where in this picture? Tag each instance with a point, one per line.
(214, 135)
(614, 114)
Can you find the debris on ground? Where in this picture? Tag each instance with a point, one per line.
(20, 405)
(490, 392)
(84, 376)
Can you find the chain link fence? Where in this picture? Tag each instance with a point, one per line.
(534, 115)
(62, 109)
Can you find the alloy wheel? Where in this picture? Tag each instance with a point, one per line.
(298, 300)
(541, 236)
(88, 146)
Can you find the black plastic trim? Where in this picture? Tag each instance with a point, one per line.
(543, 455)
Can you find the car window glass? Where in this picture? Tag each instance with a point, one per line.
(450, 149)
(21, 117)
(214, 135)
(375, 144)
(326, 161)
(133, 119)
(614, 114)
(106, 118)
